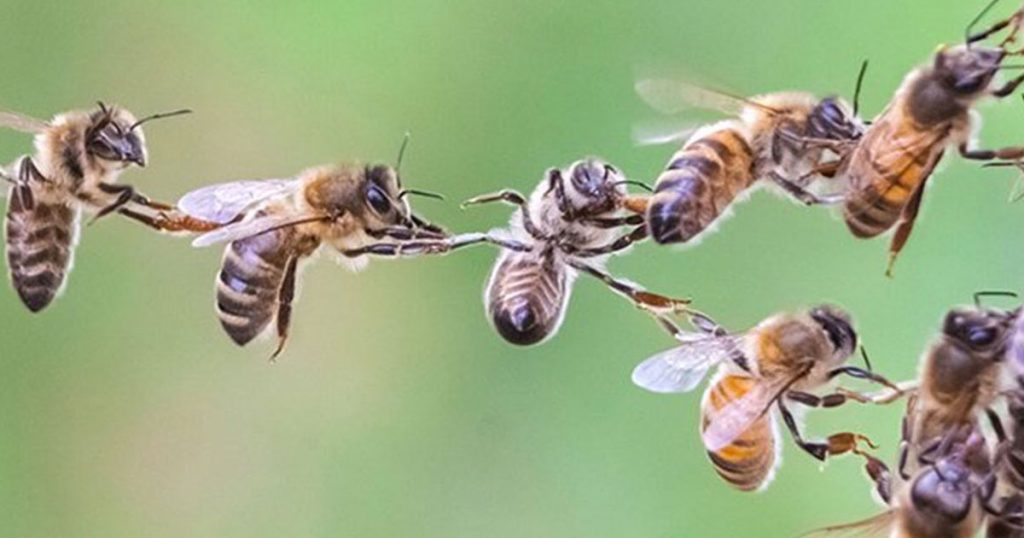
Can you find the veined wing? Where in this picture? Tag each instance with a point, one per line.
(681, 368)
(735, 418)
(260, 224)
(674, 96)
(224, 202)
(20, 122)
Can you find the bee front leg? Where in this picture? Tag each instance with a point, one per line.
(622, 243)
(416, 248)
(860, 373)
(515, 198)
(403, 233)
(835, 444)
(125, 194)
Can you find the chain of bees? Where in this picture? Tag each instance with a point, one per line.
(953, 476)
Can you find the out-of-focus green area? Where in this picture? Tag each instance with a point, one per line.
(396, 411)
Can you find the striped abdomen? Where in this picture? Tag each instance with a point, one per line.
(250, 282)
(701, 181)
(748, 462)
(884, 173)
(40, 244)
(526, 297)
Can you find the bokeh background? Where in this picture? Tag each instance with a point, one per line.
(396, 411)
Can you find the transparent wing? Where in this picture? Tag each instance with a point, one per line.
(252, 227)
(226, 201)
(877, 526)
(735, 418)
(681, 368)
(19, 122)
(656, 135)
(673, 96)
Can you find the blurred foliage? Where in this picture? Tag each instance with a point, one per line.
(396, 411)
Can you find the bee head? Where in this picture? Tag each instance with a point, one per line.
(966, 72)
(944, 492)
(114, 135)
(978, 330)
(838, 325)
(592, 187)
(833, 119)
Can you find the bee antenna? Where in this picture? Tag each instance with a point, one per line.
(856, 89)
(977, 19)
(992, 293)
(103, 108)
(426, 194)
(864, 355)
(401, 151)
(158, 116)
(635, 183)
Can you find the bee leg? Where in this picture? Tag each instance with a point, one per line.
(556, 183)
(404, 234)
(415, 248)
(125, 194)
(652, 302)
(636, 204)
(423, 224)
(22, 190)
(614, 222)
(285, 295)
(1010, 153)
(997, 425)
(860, 373)
(818, 450)
(164, 223)
(803, 195)
(638, 234)
(905, 226)
(880, 474)
(515, 198)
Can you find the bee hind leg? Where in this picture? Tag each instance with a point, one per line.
(835, 444)
(285, 295)
(803, 195)
(652, 302)
(166, 223)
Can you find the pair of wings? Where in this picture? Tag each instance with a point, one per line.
(231, 204)
(682, 368)
(670, 96)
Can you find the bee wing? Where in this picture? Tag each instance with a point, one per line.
(673, 96)
(252, 227)
(735, 418)
(226, 201)
(19, 122)
(681, 368)
(656, 135)
(878, 525)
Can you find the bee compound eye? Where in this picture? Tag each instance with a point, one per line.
(377, 200)
(981, 336)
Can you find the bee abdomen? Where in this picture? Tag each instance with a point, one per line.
(247, 289)
(700, 182)
(40, 243)
(749, 461)
(526, 298)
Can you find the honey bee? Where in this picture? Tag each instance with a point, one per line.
(79, 156)
(960, 379)
(785, 358)
(570, 224)
(275, 225)
(947, 497)
(933, 109)
(782, 137)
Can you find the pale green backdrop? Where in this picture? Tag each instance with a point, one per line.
(125, 411)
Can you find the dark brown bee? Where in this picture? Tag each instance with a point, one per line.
(781, 137)
(571, 224)
(931, 111)
(79, 156)
(272, 226)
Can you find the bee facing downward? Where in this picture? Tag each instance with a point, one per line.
(780, 137)
(783, 359)
(571, 223)
(275, 225)
(79, 156)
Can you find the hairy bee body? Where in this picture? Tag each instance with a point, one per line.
(701, 181)
(749, 461)
(721, 162)
(526, 295)
(40, 246)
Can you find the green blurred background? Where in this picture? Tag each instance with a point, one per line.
(396, 411)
